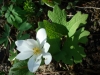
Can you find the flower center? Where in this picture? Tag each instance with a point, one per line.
(36, 50)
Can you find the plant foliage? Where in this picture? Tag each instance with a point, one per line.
(71, 51)
(23, 17)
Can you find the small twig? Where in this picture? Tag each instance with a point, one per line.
(84, 8)
(87, 7)
(54, 72)
(9, 40)
(70, 15)
(67, 67)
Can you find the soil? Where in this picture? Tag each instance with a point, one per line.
(90, 64)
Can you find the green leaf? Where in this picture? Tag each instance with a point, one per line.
(57, 16)
(7, 14)
(2, 39)
(20, 68)
(14, 12)
(54, 46)
(51, 3)
(25, 26)
(68, 7)
(16, 24)
(19, 35)
(10, 8)
(12, 55)
(9, 20)
(24, 36)
(7, 29)
(84, 33)
(74, 23)
(75, 52)
(78, 53)
(5, 35)
(81, 36)
(4, 8)
(60, 55)
(54, 32)
(12, 17)
(69, 50)
(12, 45)
(6, 42)
(18, 19)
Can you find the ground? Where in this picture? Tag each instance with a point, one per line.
(90, 64)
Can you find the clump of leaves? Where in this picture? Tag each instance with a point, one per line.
(12, 16)
(70, 52)
(29, 6)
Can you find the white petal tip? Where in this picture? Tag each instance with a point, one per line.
(48, 58)
(41, 35)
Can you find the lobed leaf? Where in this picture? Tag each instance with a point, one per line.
(74, 23)
(54, 32)
(70, 52)
(57, 15)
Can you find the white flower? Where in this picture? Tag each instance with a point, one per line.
(34, 50)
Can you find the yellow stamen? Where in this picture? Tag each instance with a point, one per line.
(36, 50)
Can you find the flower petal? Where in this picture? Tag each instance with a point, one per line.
(33, 65)
(47, 57)
(46, 47)
(19, 42)
(22, 45)
(24, 55)
(41, 35)
(23, 49)
(38, 57)
(32, 42)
